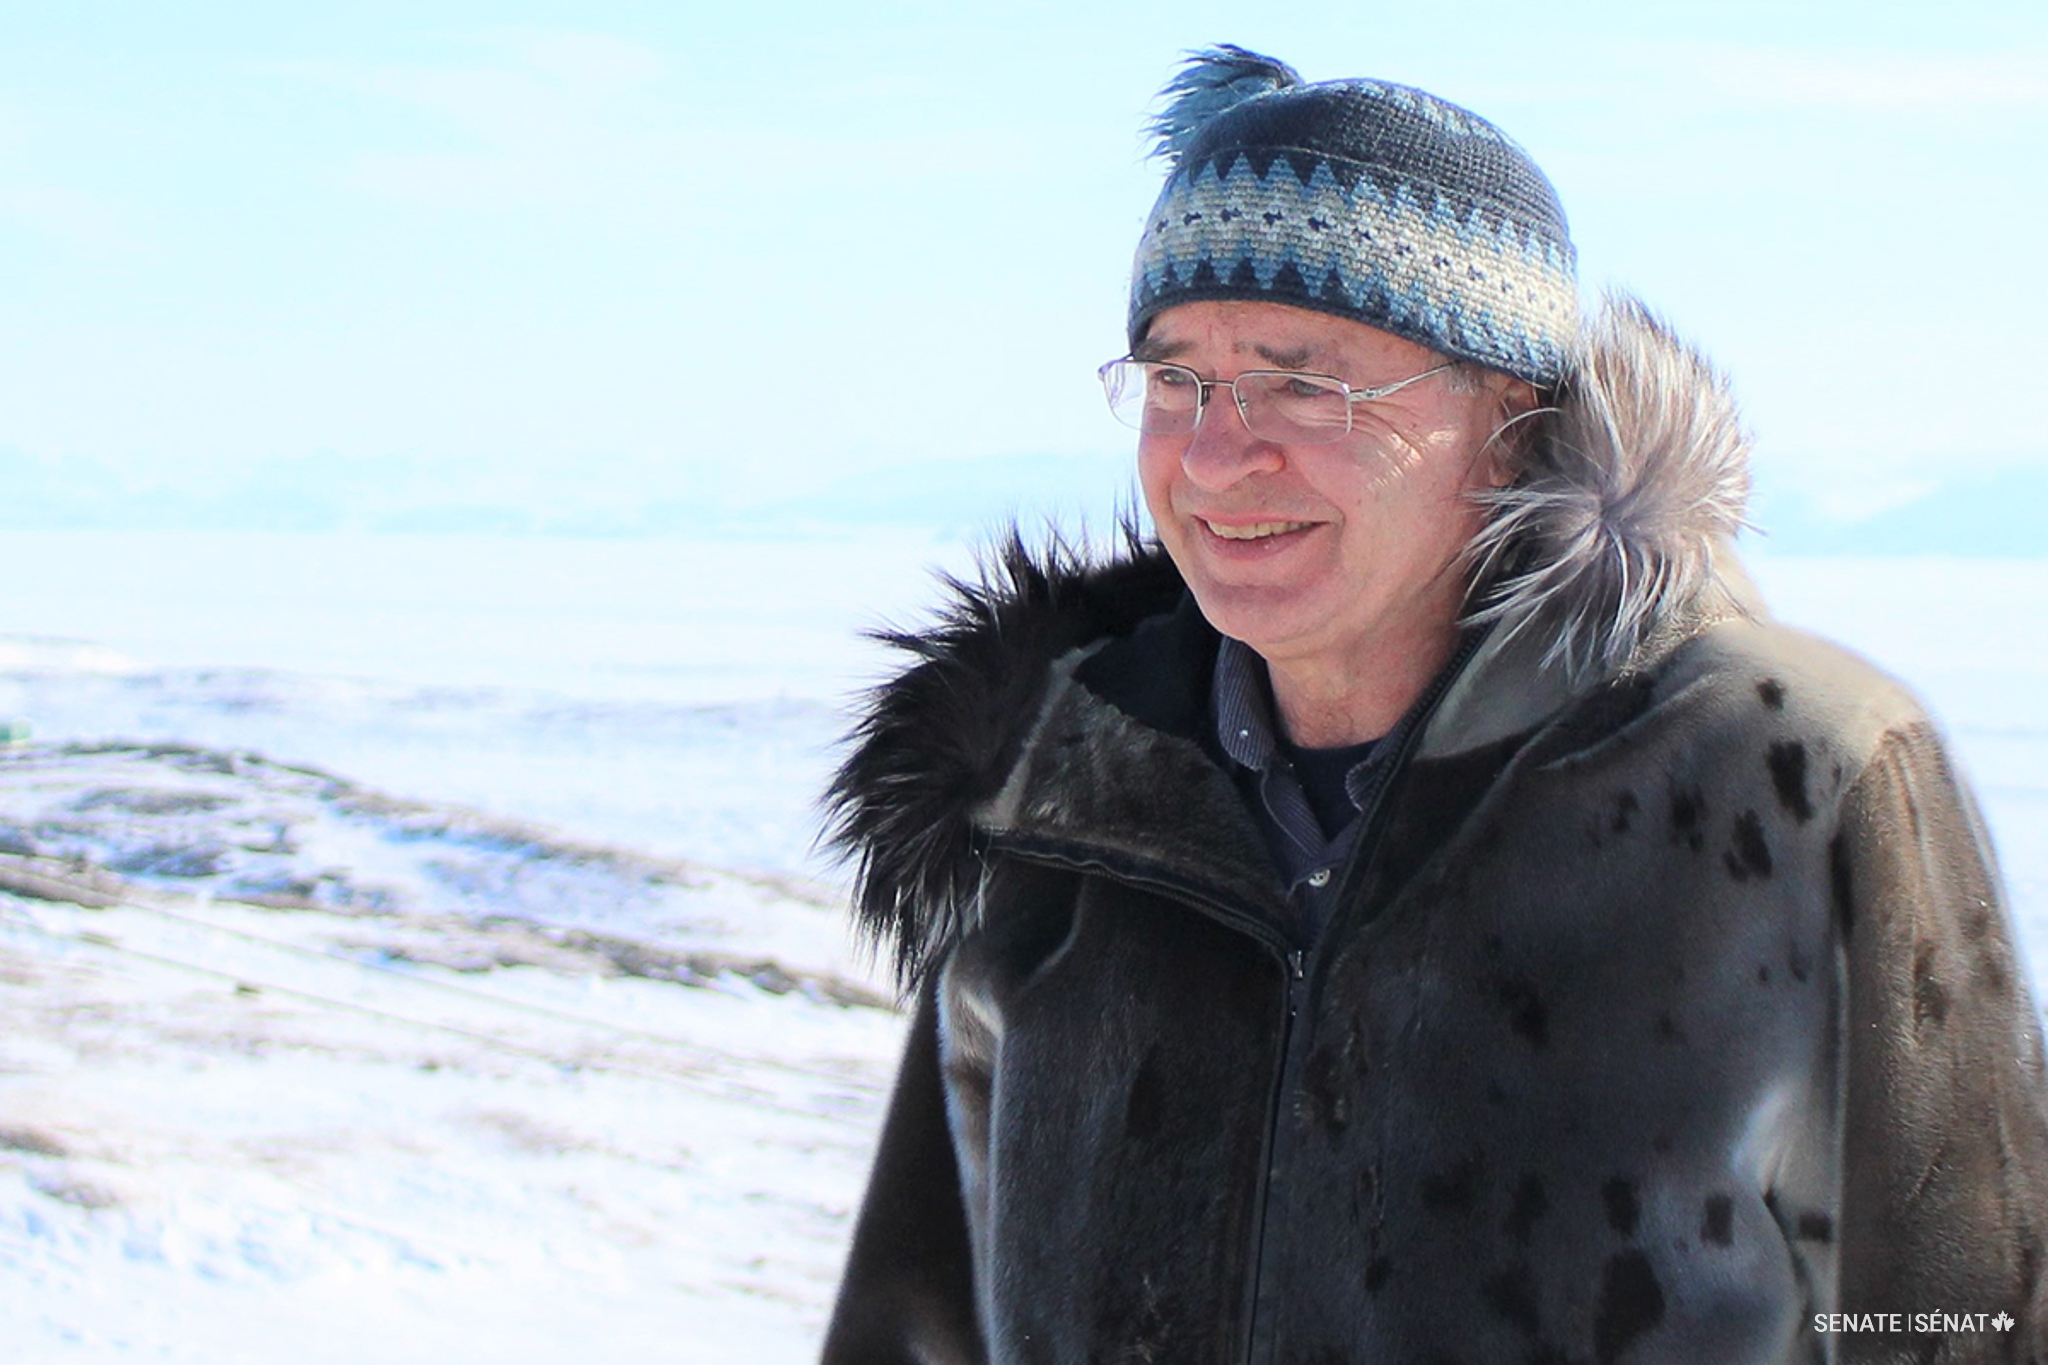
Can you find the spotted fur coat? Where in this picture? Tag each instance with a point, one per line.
(1670, 1005)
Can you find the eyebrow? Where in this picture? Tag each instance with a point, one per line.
(1152, 348)
(1293, 358)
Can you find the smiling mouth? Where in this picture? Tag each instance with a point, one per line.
(1257, 530)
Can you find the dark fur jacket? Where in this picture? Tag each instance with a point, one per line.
(1670, 1005)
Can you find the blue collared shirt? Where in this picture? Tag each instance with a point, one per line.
(1310, 858)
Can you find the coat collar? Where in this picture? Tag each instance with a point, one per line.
(1120, 768)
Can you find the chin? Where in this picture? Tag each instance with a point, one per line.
(1261, 616)
(1254, 602)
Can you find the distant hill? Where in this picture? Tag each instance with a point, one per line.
(1993, 515)
(959, 497)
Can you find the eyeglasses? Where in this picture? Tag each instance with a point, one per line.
(1285, 406)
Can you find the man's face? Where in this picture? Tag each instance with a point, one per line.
(1352, 545)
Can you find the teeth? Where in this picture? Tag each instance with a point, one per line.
(1258, 531)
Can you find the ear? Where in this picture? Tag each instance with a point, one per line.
(1506, 451)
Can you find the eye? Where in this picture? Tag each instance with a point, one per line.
(1299, 387)
(1173, 377)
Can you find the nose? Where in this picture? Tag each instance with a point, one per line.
(1220, 452)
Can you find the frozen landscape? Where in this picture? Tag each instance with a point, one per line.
(412, 948)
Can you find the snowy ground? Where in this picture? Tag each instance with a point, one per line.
(413, 951)
(291, 1070)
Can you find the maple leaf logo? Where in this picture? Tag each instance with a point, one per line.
(2001, 1322)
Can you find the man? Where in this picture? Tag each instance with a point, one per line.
(1423, 910)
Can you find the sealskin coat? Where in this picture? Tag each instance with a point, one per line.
(1669, 1002)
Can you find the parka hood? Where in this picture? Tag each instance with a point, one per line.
(1610, 547)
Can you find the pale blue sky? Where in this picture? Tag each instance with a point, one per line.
(756, 246)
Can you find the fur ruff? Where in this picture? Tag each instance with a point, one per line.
(1606, 543)
(938, 740)
(1609, 536)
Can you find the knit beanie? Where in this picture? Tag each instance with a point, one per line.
(1372, 201)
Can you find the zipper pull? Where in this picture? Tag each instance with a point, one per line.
(1297, 972)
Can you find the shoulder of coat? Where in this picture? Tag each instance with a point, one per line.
(1784, 679)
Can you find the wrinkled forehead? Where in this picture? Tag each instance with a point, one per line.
(1246, 332)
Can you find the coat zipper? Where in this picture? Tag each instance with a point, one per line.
(1297, 977)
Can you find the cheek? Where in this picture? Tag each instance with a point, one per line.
(1158, 466)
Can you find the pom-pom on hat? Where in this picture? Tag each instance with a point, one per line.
(1376, 202)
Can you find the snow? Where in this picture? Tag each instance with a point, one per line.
(413, 949)
(473, 990)
(456, 1091)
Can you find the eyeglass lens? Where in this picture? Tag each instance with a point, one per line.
(1166, 400)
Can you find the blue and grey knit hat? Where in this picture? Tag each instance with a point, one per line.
(1375, 202)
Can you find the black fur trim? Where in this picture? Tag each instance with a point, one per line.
(941, 737)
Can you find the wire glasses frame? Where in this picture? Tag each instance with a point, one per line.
(1161, 398)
